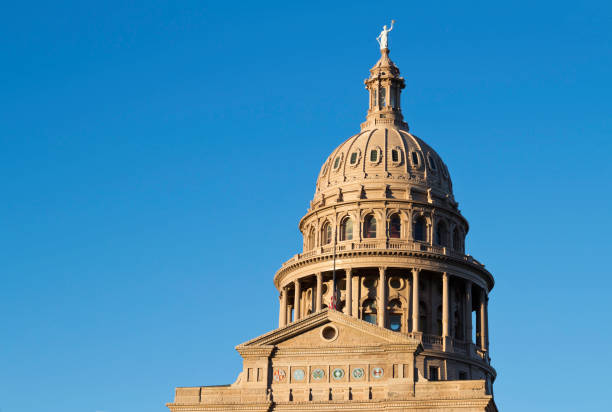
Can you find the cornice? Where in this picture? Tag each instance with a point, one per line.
(359, 253)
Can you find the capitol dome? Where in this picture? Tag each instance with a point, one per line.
(384, 157)
(384, 242)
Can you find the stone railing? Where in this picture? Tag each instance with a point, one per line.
(382, 244)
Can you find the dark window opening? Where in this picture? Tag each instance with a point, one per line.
(369, 227)
(395, 226)
(374, 155)
(433, 373)
(419, 229)
(394, 155)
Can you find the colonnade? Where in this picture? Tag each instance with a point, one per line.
(482, 335)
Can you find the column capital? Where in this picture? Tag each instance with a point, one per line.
(348, 271)
(382, 269)
(416, 270)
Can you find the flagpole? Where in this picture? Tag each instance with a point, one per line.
(333, 302)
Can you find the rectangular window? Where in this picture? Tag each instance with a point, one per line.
(373, 155)
(382, 98)
(433, 373)
(393, 98)
(354, 158)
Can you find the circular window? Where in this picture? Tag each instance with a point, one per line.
(370, 283)
(396, 283)
(329, 333)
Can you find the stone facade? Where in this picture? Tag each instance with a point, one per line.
(383, 308)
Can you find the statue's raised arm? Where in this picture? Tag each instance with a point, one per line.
(383, 37)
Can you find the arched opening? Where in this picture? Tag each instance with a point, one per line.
(311, 240)
(369, 311)
(346, 229)
(395, 226)
(457, 240)
(419, 230)
(326, 233)
(369, 227)
(441, 234)
(395, 315)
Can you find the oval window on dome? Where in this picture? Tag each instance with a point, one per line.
(337, 162)
(374, 155)
(414, 156)
(394, 155)
(431, 161)
(354, 158)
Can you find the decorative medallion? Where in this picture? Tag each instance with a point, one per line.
(279, 375)
(377, 373)
(298, 374)
(318, 374)
(358, 373)
(338, 373)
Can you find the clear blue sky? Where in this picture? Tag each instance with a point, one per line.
(156, 157)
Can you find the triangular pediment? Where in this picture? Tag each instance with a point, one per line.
(311, 332)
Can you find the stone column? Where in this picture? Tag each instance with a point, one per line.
(415, 301)
(319, 294)
(348, 305)
(381, 307)
(468, 311)
(296, 301)
(282, 314)
(483, 319)
(446, 341)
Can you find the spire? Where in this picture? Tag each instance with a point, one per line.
(385, 85)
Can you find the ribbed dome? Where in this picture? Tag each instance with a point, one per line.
(386, 157)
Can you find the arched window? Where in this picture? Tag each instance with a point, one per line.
(419, 230)
(395, 226)
(395, 315)
(441, 234)
(369, 311)
(457, 240)
(369, 227)
(346, 229)
(423, 318)
(326, 234)
(311, 239)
